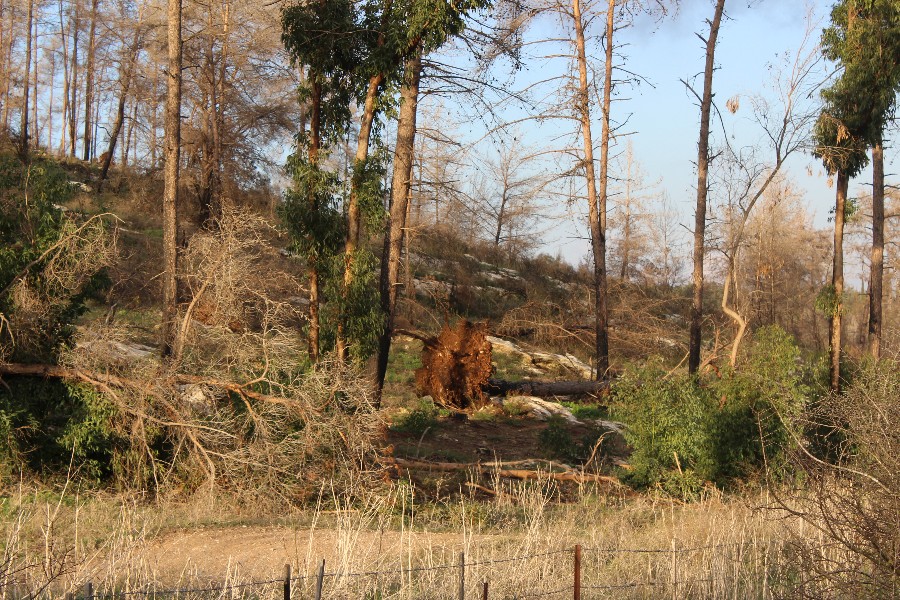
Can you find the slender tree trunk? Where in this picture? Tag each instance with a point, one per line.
(125, 76)
(23, 132)
(36, 43)
(702, 188)
(89, 84)
(315, 128)
(400, 187)
(172, 164)
(876, 275)
(64, 42)
(354, 224)
(596, 202)
(73, 88)
(7, 88)
(154, 120)
(837, 279)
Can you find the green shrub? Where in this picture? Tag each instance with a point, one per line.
(668, 424)
(419, 421)
(685, 431)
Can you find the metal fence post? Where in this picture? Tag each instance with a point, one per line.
(287, 582)
(320, 578)
(462, 576)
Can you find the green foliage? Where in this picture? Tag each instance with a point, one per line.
(418, 421)
(557, 442)
(31, 226)
(864, 39)
(827, 301)
(668, 426)
(686, 431)
(359, 309)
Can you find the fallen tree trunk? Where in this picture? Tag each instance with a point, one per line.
(498, 469)
(497, 387)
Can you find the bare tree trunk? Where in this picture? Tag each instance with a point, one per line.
(170, 197)
(400, 187)
(7, 88)
(154, 122)
(35, 36)
(626, 225)
(73, 87)
(837, 279)
(89, 84)
(23, 132)
(702, 176)
(876, 275)
(315, 127)
(125, 76)
(596, 203)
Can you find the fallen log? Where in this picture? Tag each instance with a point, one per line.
(499, 387)
(499, 470)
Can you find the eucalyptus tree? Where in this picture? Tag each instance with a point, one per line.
(843, 154)
(864, 39)
(326, 39)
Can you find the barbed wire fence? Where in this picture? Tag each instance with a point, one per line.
(566, 573)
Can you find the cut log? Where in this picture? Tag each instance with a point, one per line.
(499, 387)
(499, 470)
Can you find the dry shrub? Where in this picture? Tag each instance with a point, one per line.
(456, 366)
(852, 498)
(44, 295)
(234, 410)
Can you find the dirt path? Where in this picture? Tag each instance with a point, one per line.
(262, 552)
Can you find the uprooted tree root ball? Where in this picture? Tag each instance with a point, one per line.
(456, 366)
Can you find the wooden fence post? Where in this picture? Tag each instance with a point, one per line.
(577, 586)
(462, 576)
(88, 591)
(320, 578)
(485, 596)
(287, 582)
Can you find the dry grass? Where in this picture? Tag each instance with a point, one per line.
(386, 546)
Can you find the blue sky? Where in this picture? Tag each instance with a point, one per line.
(664, 117)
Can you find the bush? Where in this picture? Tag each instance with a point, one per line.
(419, 421)
(854, 499)
(685, 431)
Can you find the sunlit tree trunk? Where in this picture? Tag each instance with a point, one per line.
(89, 84)
(596, 202)
(702, 189)
(170, 194)
(404, 151)
(23, 131)
(837, 279)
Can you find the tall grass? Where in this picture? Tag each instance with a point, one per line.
(389, 546)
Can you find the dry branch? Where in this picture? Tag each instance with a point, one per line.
(499, 470)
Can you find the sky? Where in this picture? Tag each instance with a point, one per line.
(664, 117)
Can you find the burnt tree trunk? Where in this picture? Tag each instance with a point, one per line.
(596, 207)
(702, 189)
(876, 265)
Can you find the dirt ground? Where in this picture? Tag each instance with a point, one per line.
(260, 552)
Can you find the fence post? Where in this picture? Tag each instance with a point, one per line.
(485, 596)
(674, 571)
(88, 591)
(462, 576)
(320, 578)
(70, 596)
(577, 586)
(287, 582)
